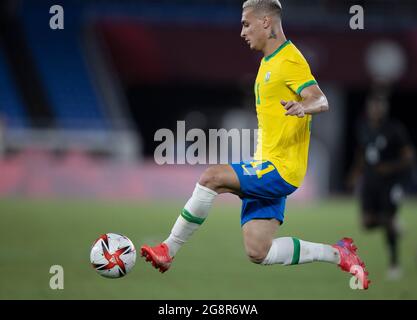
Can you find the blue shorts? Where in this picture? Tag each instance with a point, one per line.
(264, 190)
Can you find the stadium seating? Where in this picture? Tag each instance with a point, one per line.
(68, 85)
(12, 111)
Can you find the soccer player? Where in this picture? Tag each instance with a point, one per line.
(383, 158)
(286, 97)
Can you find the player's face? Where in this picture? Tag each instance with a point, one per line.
(253, 30)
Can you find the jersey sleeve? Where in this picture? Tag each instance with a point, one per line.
(298, 75)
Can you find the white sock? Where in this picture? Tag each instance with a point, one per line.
(193, 215)
(288, 250)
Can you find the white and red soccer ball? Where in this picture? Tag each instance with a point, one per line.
(113, 255)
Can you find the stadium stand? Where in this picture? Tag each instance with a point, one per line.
(12, 110)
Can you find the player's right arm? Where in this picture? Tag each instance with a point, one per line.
(314, 101)
(299, 79)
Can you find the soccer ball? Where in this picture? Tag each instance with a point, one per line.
(113, 255)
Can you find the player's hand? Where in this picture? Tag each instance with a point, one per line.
(293, 108)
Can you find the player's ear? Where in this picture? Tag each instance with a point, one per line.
(266, 22)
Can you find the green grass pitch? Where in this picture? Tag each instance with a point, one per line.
(38, 234)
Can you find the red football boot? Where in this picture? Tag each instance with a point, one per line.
(351, 262)
(158, 255)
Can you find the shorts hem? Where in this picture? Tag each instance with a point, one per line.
(244, 221)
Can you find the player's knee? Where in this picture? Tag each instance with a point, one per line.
(211, 178)
(256, 254)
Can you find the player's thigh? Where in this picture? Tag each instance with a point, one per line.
(220, 178)
(261, 180)
(257, 237)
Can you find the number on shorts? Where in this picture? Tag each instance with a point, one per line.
(257, 165)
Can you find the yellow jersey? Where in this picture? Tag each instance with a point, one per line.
(283, 140)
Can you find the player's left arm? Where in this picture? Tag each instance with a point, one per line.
(314, 101)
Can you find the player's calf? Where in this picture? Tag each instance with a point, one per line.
(257, 254)
(257, 237)
(214, 180)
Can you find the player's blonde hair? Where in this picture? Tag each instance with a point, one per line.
(270, 6)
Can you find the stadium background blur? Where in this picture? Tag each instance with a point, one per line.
(79, 108)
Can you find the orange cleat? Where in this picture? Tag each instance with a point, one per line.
(158, 256)
(351, 262)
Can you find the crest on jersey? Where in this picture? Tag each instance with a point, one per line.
(267, 76)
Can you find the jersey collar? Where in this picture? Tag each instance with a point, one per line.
(282, 46)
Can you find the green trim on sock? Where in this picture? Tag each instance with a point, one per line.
(296, 254)
(190, 218)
